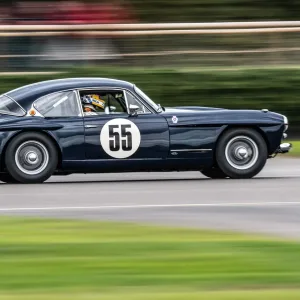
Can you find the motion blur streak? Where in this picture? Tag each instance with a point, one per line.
(221, 53)
(255, 39)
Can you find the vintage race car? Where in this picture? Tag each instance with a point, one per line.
(96, 125)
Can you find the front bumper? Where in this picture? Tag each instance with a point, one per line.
(284, 148)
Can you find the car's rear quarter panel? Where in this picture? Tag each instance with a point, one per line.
(67, 133)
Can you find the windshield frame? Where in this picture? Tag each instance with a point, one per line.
(147, 99)
(6, 112)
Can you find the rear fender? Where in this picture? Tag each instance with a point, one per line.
(7, 136)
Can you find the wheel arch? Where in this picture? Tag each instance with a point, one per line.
(45, 133)
(255, 127)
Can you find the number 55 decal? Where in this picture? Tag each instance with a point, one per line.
(120, 138)
(115, 139)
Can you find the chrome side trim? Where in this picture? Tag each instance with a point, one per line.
(91, 126)
(191, 150)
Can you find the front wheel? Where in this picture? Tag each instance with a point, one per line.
(6, 178)
(241, 153)
(214, 173)
(31, 158)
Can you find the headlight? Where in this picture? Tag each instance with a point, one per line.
(286, 123)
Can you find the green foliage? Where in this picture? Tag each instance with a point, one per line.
(277, 89)
(215, 10)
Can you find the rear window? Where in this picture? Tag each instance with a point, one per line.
(10, 107)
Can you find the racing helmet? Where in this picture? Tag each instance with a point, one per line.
(92, 103)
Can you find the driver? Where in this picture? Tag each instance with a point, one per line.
(92, 104)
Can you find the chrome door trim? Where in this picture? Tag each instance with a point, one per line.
(190, 150)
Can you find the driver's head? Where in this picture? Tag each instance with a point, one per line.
(92, 103)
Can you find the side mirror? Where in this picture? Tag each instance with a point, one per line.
(133, 109)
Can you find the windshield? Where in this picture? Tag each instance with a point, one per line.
(10, 107)
(144, 96)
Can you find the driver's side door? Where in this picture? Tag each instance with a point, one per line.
(117, 139)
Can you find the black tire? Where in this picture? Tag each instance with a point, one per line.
(241, 153)
(31, 157)
(214, 173)
(5, 177)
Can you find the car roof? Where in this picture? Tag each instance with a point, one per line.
(27, 94)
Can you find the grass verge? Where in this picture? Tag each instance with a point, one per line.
(53, 259)
(296, 148)
(162, 295)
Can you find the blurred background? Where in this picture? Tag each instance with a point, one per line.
(25, 48)
(193, 52)
(222, 53)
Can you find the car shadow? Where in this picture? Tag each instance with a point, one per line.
(163, 180)
(158, 180)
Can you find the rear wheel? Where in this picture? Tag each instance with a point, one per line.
(31, 158)
(5, 177)
(214, 173)
(241, 153)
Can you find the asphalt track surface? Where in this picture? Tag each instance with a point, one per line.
(268, 204)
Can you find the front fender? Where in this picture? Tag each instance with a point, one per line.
(272, 134)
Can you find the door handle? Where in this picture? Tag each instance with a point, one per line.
(91, 126)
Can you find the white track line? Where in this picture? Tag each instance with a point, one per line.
(116, 207)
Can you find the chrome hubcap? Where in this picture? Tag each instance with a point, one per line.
(241, 152)
(32, 157)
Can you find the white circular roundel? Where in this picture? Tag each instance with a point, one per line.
(120, 138)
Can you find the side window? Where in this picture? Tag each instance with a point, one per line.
(102, 102)
(62, 104)
(132, 100)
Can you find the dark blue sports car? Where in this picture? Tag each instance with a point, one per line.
(96, 125)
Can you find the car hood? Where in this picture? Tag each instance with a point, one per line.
(197, 115)
(190, 109)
